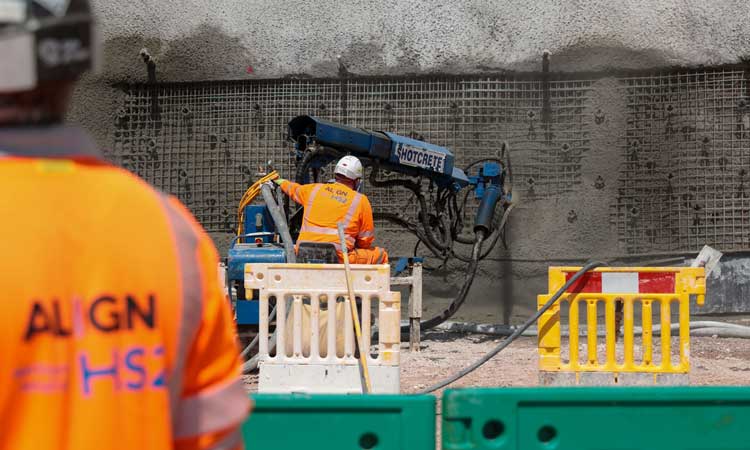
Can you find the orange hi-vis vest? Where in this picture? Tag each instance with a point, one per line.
(326, 205)
(116, 333)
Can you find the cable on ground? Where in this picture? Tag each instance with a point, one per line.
(517, 333)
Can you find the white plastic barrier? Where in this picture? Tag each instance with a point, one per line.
(305, 364)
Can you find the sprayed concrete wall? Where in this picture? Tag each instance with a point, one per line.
(232, 40)
(198, 40)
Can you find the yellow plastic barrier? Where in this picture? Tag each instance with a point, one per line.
(654, 289)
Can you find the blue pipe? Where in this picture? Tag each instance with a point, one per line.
(486, 212)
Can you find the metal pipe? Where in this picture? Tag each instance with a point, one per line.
(281, 226)
(697, 328)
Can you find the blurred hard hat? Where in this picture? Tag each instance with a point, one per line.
(44, 40)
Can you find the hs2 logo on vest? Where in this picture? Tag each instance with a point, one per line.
(127, 366)
(340, 195)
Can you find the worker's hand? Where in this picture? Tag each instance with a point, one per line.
(279, 181)
(270, 185)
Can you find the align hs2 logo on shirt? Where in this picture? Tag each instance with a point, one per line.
(126, 366)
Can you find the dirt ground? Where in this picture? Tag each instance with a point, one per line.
(714, 361)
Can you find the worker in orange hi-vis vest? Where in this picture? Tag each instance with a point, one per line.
(325, 205)
(116, 333)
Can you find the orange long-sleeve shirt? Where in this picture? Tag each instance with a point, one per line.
(328, 204)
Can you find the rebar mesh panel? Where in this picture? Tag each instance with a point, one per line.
(543, 122)
(687, 151)
(204, 142)
(686, 147)
(207, 142)
(424, 109)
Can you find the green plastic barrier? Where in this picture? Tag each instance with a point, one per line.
(715, 418)
(345, 422)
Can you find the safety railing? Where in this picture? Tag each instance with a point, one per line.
(506, 419)
(623, 296)
(341, 422)
(596, 418)
(313, 330)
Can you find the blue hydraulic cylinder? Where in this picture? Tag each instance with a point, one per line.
(483, 220)
(241, 254)
(489, 189)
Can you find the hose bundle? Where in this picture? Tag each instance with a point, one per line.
(439, 220)
(249, 196)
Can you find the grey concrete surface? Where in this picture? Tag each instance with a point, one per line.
(221, 39)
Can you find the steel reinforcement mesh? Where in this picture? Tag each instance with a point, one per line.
(685, 179)
(206, 142)
(685, 149)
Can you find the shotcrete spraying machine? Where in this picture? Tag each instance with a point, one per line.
(445, 199)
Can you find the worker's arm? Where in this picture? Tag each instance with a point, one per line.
(212, 403)
(366, 234)
(295, 191)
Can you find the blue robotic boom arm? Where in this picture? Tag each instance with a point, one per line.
(403, 155)
(392, 152)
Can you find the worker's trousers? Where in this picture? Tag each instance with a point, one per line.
(324, 316)
(375, 255)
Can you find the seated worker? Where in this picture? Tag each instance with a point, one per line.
(325, 206)
(328, 204)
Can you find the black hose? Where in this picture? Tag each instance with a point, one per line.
(494, 237)
(468, 240)
(254, 342)
(506, 342)
(299, 175)
(471, 271)
(399, 220)
(443, 244)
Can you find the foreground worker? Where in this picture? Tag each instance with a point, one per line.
(116, 334)
(326, 205)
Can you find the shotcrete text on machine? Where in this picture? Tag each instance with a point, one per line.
(440, 189)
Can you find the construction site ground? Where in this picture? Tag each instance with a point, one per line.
(715, 361)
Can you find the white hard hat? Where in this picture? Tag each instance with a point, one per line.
(350, 167)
